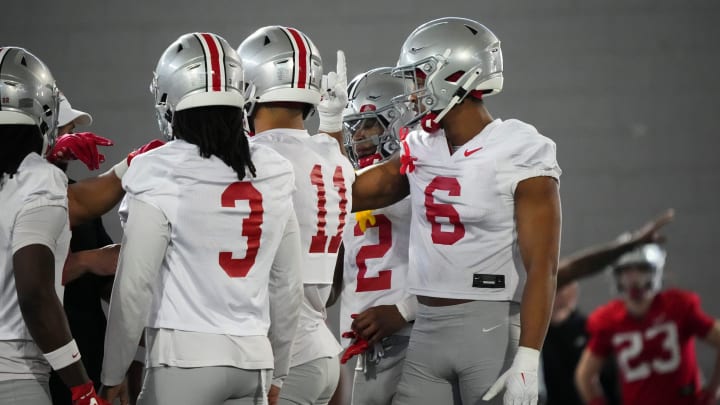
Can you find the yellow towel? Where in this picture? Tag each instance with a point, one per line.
(363, 217)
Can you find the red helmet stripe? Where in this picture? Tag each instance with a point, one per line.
(214, 61)
(301, 58)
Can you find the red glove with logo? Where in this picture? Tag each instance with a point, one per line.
(85, 395)
(81, 146)
(358, 346)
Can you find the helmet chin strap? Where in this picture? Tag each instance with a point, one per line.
(45, 146)
(459, 96)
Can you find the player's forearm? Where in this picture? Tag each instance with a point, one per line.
(536, 307)
(713, 384)
(588, 387)
(337, 284)
(91, 198)
(75, 266)
(714, 339)
(587, 374)
(338, 136)
(590, 261)
(379, 186)
(45, 319)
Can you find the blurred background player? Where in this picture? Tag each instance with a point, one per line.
(284, 70)
(485, 230)
(34, 234)
(210, 247)
(651, 334)
(567, 335)
(375, 305)
(87, 276)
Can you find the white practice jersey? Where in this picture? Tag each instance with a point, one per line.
(463, 233)
(376, 262)
(323, 196)
(322, 200)
(224, 236)
(37, 183)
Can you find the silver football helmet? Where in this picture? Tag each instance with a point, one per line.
(371, 120)
(198, 69)
(281, 64)
(28, 94)
(650, 256)
(447, 59)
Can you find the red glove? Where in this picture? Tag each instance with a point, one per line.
(155, 143)
(81, 146)
(85, 395)
(359, 346)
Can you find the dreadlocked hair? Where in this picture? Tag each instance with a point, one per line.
(16, 142)
(216, 130)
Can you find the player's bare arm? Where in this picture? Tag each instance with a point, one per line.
(376, 323)
(33, 268)
(594, 259)
(538, 216)
(91, 198)
(587, 376)
(379, 186)
(711, 392)
(101, 261)
(337, 284)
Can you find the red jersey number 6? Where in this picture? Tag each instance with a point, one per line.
(434, 210)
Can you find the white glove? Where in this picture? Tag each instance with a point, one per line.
(334, 97)
(520, 380)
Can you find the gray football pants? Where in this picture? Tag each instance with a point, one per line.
(204, 386)
(24, 392)
(377, 375)
(311, 383)
(457, 352)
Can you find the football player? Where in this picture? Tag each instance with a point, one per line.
(375, 306)
(485, 223)
(210, 248)
(284, 71)
(651, 334)
(34, 235)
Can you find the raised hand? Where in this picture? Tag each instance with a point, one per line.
(334, 97)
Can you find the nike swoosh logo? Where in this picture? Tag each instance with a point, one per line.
(75, 355)
(469, 152)
(485, 330)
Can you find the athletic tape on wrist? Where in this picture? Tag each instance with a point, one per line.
(120, 168)
(63, 356)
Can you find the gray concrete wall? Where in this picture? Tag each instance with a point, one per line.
(628, 90)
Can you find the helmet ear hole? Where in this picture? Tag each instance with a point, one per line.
(473, 30)
(453, 78)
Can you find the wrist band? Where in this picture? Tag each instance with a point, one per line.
(63, 356)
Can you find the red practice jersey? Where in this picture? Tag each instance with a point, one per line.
(655, 353)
